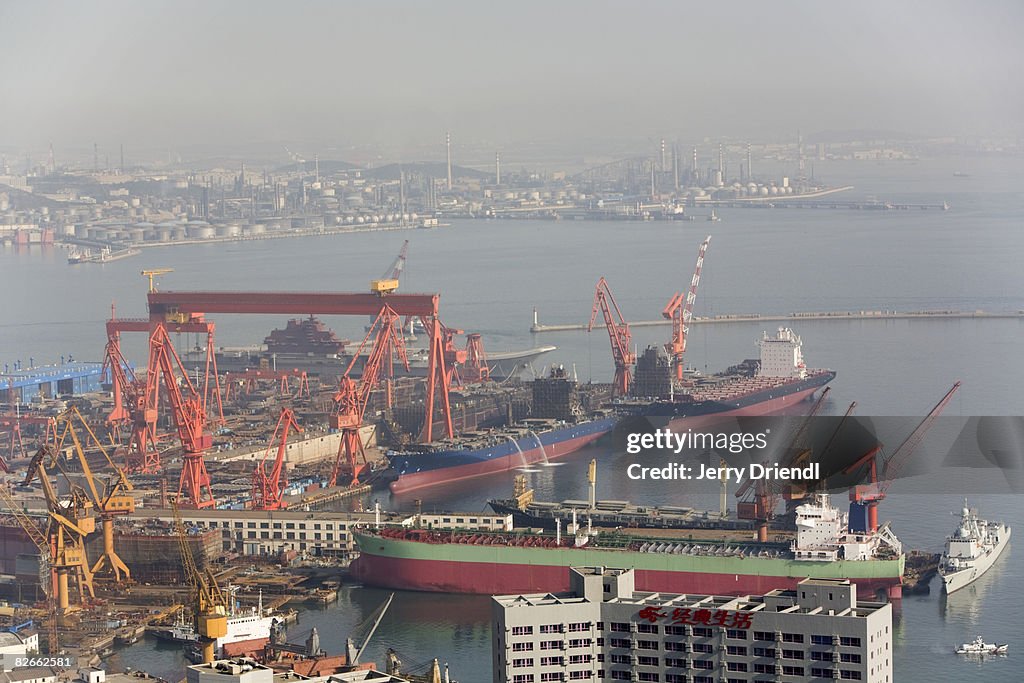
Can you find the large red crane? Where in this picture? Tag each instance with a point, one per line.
(394, 271)
(618, 332)
(864, 498)
(268, 487)
(352, 395)
(680, 311)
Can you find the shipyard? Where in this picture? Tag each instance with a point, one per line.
(510, 344)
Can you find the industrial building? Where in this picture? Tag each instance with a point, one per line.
(22, 385)
(604, 629)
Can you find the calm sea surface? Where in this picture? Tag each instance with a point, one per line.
(492, 274)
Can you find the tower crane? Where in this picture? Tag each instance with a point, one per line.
(111, 500)
(759, 498)
(618, 332)
(268, 487)
(210, 603)
(864, 498)
(680, 311)
(142, 454)
(352, 396)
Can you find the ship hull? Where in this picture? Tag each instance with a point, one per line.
(770, 401)
(954, 581)
(525, 452)
(466, 568)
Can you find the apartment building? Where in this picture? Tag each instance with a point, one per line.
(603, 629)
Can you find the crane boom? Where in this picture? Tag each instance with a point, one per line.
(394, 271)
(680, 311)
(618, 333)
(268, 488)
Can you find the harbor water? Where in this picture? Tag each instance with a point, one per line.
(492, 274)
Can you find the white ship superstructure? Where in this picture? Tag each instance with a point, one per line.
(782, 355)
(823, 535)
(971, 550)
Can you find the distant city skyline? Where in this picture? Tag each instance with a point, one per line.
(398, 76)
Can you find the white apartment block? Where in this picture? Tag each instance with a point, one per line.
(603, 629)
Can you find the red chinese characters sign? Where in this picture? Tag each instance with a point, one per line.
(727, 618)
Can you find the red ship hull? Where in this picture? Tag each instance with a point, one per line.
(493, 579)
(532, 456)
(772, 406)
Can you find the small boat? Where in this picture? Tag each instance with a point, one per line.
(980, 647)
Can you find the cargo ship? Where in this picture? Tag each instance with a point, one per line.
(524, 562)
(310, 346)
(779, 380)
(559, 426)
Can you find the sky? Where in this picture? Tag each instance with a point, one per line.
(399, 74)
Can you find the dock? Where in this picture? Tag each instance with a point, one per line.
(538, 328)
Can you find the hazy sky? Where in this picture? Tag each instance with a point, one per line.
(153, 74)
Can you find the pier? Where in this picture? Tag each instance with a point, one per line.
(538, 328)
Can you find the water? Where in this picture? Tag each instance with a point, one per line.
(492, 274)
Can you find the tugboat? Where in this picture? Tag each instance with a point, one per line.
(971, 550)
(980, 647)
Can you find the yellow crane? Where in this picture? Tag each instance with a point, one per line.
(112, 499)
(152, 273)
(210, 603)
(47, 577)
(71, 520)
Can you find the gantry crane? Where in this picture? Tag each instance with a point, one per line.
(680, 311)
(71, 520)
(759, 498)
(864, 498)
(268, 487)
(210, 603)
(112, 499)
(618, 332)
(352, 396)
(47, 574)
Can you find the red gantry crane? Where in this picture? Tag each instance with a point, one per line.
(352, 395)
(476, 369)
(618, 332)
(268, 487)
(864, 498)
(680, 311)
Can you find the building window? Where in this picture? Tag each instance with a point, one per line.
(820, 673)
(764, 668)
(647, 628)
(766, 636)
(675, 647)
(647, 644)
(821, 656)
(675, 678)
(848, 641)
(552, 676)
(522, 647)
(792, 654)
(737, 650)
(821, 640)
(621, 659)
(676, 663)
(620, 627)
(580, 675)
(703, 679)
(703, 664)
(701, 632)
(522, 678)
(579, 659)
(646, 676)
(620, 642)
(551, 628)
(647, 661)
(675, 630)
(792, 637)
(579, 626)
(621, 676)
(849, 658)
(520, 663)
(849, 675)
(736, 634)
(581, 642)
(551, 644)
(703, 647)
(764, 652)
(792, 671)
(736, 666)
(522, 630)
(551, 661)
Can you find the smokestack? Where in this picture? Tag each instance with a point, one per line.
(448, 146)
(497, 168)
(122, 157)
(750, 172)
(664, 159)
